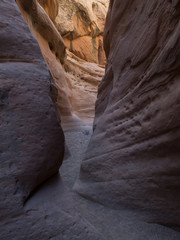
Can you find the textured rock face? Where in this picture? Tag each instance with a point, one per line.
(51, 7)
(81, 23)
(76, 80)
(52, 47)
(82, 80)
(32, 141)
(134, 155)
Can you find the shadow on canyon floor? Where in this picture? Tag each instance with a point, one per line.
(124, 224)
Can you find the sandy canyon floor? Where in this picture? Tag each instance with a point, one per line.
(124, 224)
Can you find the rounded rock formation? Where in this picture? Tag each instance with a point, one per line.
(81, 23)
(134, 154)
(51, 7)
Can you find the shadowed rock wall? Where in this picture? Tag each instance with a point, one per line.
(32, 143)
(34, 204)
(134, 154)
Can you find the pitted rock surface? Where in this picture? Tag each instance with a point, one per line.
(134, 154)
(34, 204)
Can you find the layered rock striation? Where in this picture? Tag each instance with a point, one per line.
(34, 204)
(51, 7)
(76, 79)
(134, 154)
(82, 79)
(81, 23)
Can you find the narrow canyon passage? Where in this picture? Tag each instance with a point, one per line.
(90, 134)
(123, 224)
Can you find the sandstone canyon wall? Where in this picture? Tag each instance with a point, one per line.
(81, 23)
(134, 154)
(34, 204)
(29, 125)
(82, 79)
(51, 7)
(76, 79)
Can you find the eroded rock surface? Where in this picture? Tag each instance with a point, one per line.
(134, 154)
(51, 7)
(75, 78)
(32, 141)
(83, 79)
(81, 23)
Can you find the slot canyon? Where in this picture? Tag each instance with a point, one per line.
(89, 120)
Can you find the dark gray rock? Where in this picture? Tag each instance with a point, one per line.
(134, 154)
(32, 142)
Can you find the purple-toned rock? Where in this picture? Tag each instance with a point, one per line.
(134, 154)
(32, 142)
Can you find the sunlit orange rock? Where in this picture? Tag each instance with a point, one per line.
(81, 23)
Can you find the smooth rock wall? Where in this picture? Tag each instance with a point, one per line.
(32, 141)
(76, 79)
(34, 204)
(134, 154)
